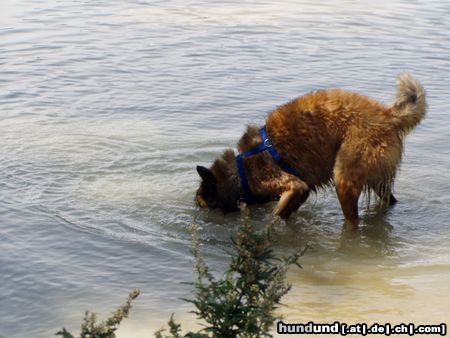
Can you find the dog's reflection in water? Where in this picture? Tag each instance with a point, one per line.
(374, 236)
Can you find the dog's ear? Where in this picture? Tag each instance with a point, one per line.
(206, 175)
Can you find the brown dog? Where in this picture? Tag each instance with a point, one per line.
(323, 137)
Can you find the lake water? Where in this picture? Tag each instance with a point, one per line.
(106, 107)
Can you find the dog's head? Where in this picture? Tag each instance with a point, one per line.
(220, 187)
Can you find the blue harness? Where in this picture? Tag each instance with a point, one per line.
(265, 145)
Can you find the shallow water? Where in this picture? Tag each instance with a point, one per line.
(106, 107)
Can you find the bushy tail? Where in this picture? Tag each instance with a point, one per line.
(410, 105)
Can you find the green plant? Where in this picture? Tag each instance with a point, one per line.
(107, 328)
(242, 302)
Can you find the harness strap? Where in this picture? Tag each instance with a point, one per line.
(248, 196)
(265, 145)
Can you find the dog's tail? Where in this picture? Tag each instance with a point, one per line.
(410, 105)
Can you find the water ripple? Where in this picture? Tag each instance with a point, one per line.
(106, 108)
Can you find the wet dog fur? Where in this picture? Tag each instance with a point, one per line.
(330, 137)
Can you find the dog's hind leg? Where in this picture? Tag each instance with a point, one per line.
(385, 194)
(392, 200)
(291, 199)
(388, 200)
(348, 194)
(351, 173)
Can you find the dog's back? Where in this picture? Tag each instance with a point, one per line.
(335, 134)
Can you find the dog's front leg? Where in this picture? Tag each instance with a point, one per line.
(291, 200)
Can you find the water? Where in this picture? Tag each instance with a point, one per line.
(107, 106)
